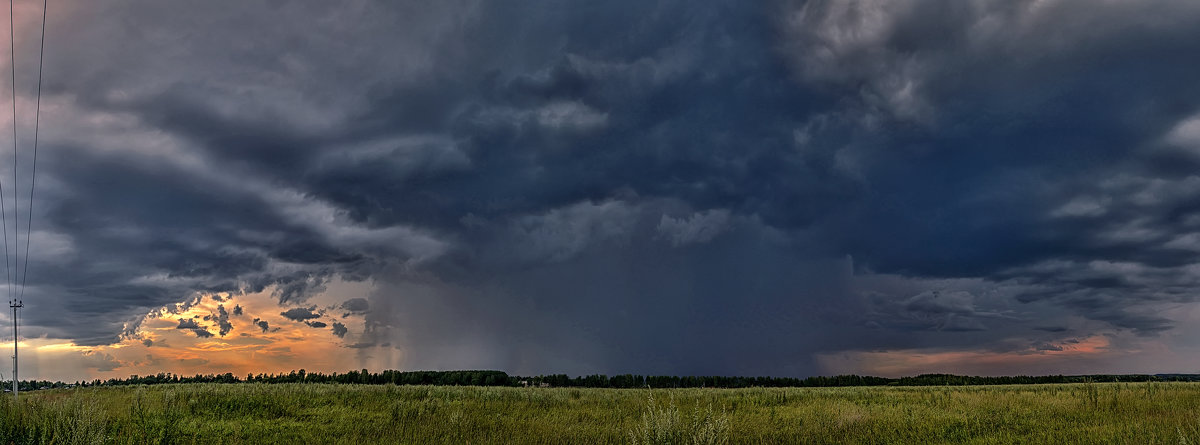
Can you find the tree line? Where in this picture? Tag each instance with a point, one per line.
(638, 381)
(500, 378)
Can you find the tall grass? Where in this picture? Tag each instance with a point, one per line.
(662, 423)
(1136, 413)
(62, 420)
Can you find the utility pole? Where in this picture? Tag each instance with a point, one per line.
(15, 304)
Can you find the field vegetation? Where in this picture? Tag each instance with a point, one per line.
(1135, 413)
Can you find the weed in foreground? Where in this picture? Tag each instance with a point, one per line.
(662, 423)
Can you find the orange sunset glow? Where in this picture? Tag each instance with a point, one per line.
(158, 345)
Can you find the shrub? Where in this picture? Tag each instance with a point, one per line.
(662, 423)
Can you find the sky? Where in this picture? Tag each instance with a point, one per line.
(775, 187)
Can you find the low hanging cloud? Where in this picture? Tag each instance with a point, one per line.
(561, 233)
(700, 227)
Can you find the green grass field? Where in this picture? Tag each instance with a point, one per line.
(1135, 413)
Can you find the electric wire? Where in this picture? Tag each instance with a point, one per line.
(13, 63)
(16, 186)
(37, 121)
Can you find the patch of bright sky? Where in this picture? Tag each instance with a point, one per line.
(286, 345)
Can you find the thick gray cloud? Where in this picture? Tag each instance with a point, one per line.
(356, 305)
(340, 330)
(301, 313)
(188, 324)
(676, 187)
(222, 319)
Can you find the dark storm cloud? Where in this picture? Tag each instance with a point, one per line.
(202, 333)
(316, 324)
(1052, 328)
(339, 330)
(954, 311)
(223, 320)
(195, 328)
(356, 305)
(262, 324)
(1050, 175)
(301, 313)
(695, 174)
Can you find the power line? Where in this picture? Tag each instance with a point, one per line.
(8, 269)
(12, 45)
(37, 120)
(11, 270)
(16, 198)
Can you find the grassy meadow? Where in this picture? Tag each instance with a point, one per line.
(1135, 413)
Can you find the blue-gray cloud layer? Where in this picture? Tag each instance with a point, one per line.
(677, 187)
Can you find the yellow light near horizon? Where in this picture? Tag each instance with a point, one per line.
(55, 347)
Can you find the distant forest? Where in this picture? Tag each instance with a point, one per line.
(500, 378)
